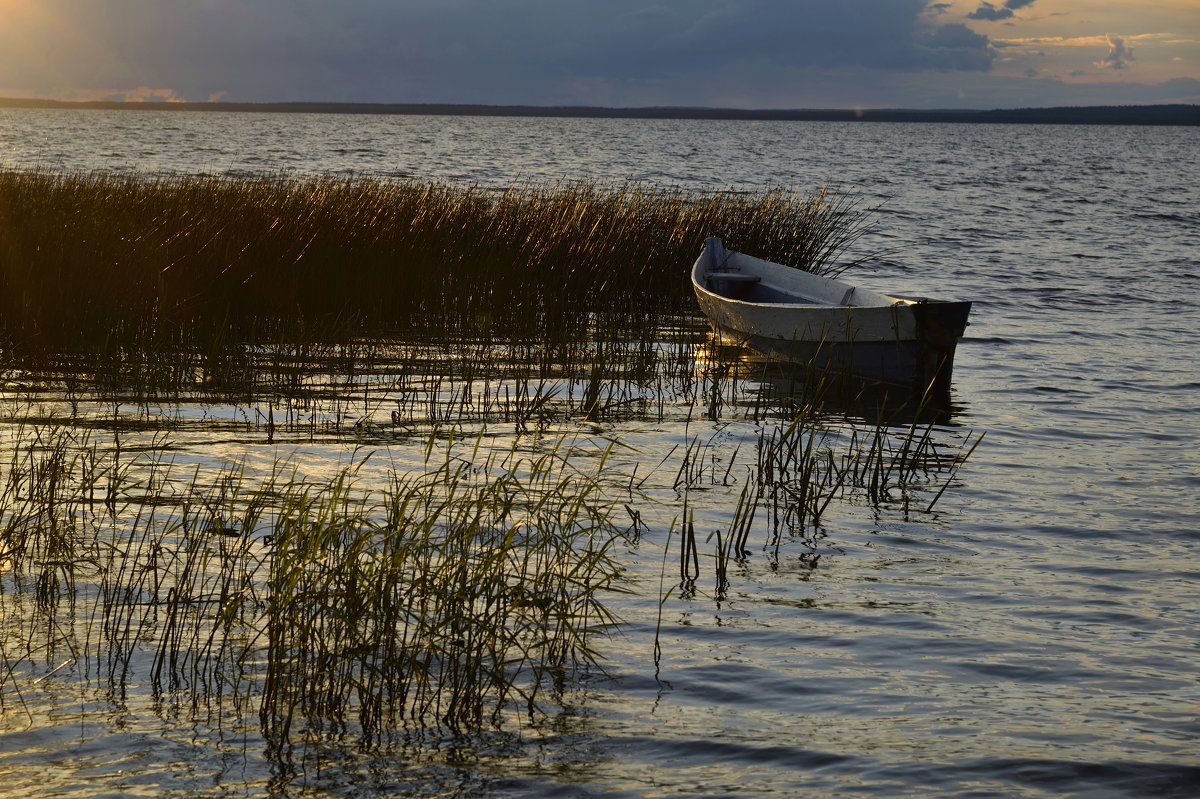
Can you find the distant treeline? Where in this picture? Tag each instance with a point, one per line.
(1083, 115)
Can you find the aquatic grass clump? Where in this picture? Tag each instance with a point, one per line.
(805, 465)
(50, 487)
(100, 259)
(471, 594)
(452, 597)
(803, 462)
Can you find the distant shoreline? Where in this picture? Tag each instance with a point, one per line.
(1083, 115)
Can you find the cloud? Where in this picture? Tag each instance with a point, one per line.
(741, 53)
(145, 94)
(1119, 55)
(990, 13)
(1186, 90)
(140, 94)
(957, 47)
(518, 51)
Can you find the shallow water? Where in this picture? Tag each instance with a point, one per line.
(1035, 635)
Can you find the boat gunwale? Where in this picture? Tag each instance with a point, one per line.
(792, 274)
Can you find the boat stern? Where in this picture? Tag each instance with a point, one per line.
(939, 327)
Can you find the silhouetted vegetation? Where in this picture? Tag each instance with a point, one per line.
(100, 257)
(1161, 114)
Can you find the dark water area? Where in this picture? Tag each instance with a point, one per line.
(1036, 634)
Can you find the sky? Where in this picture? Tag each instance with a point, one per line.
(620, 53)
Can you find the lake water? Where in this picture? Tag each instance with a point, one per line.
(1038, 634)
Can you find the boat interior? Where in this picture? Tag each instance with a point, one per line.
(751, 288)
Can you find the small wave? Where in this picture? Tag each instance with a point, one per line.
(1041, 290)
(1186, 219)
(1059, 390)
(1131, 778)
(704, 751)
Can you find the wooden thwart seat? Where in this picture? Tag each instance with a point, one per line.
(736, 277)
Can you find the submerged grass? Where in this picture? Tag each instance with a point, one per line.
(450, 598)
(100, 259)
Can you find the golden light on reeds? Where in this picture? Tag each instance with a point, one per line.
(450, 597)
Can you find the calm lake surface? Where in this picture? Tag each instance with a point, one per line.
(1037, 634)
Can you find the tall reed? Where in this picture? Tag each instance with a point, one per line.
(89, 258)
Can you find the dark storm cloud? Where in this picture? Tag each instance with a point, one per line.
(990, 13)
(1178, 89)
(502, 51)
(957, 47)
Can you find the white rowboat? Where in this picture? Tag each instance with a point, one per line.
(787, 313)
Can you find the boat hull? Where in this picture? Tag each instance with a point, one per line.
(828, 325)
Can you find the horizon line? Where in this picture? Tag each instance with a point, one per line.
(1159, 113)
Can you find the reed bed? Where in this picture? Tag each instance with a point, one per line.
(101, 259)
(452, 597)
